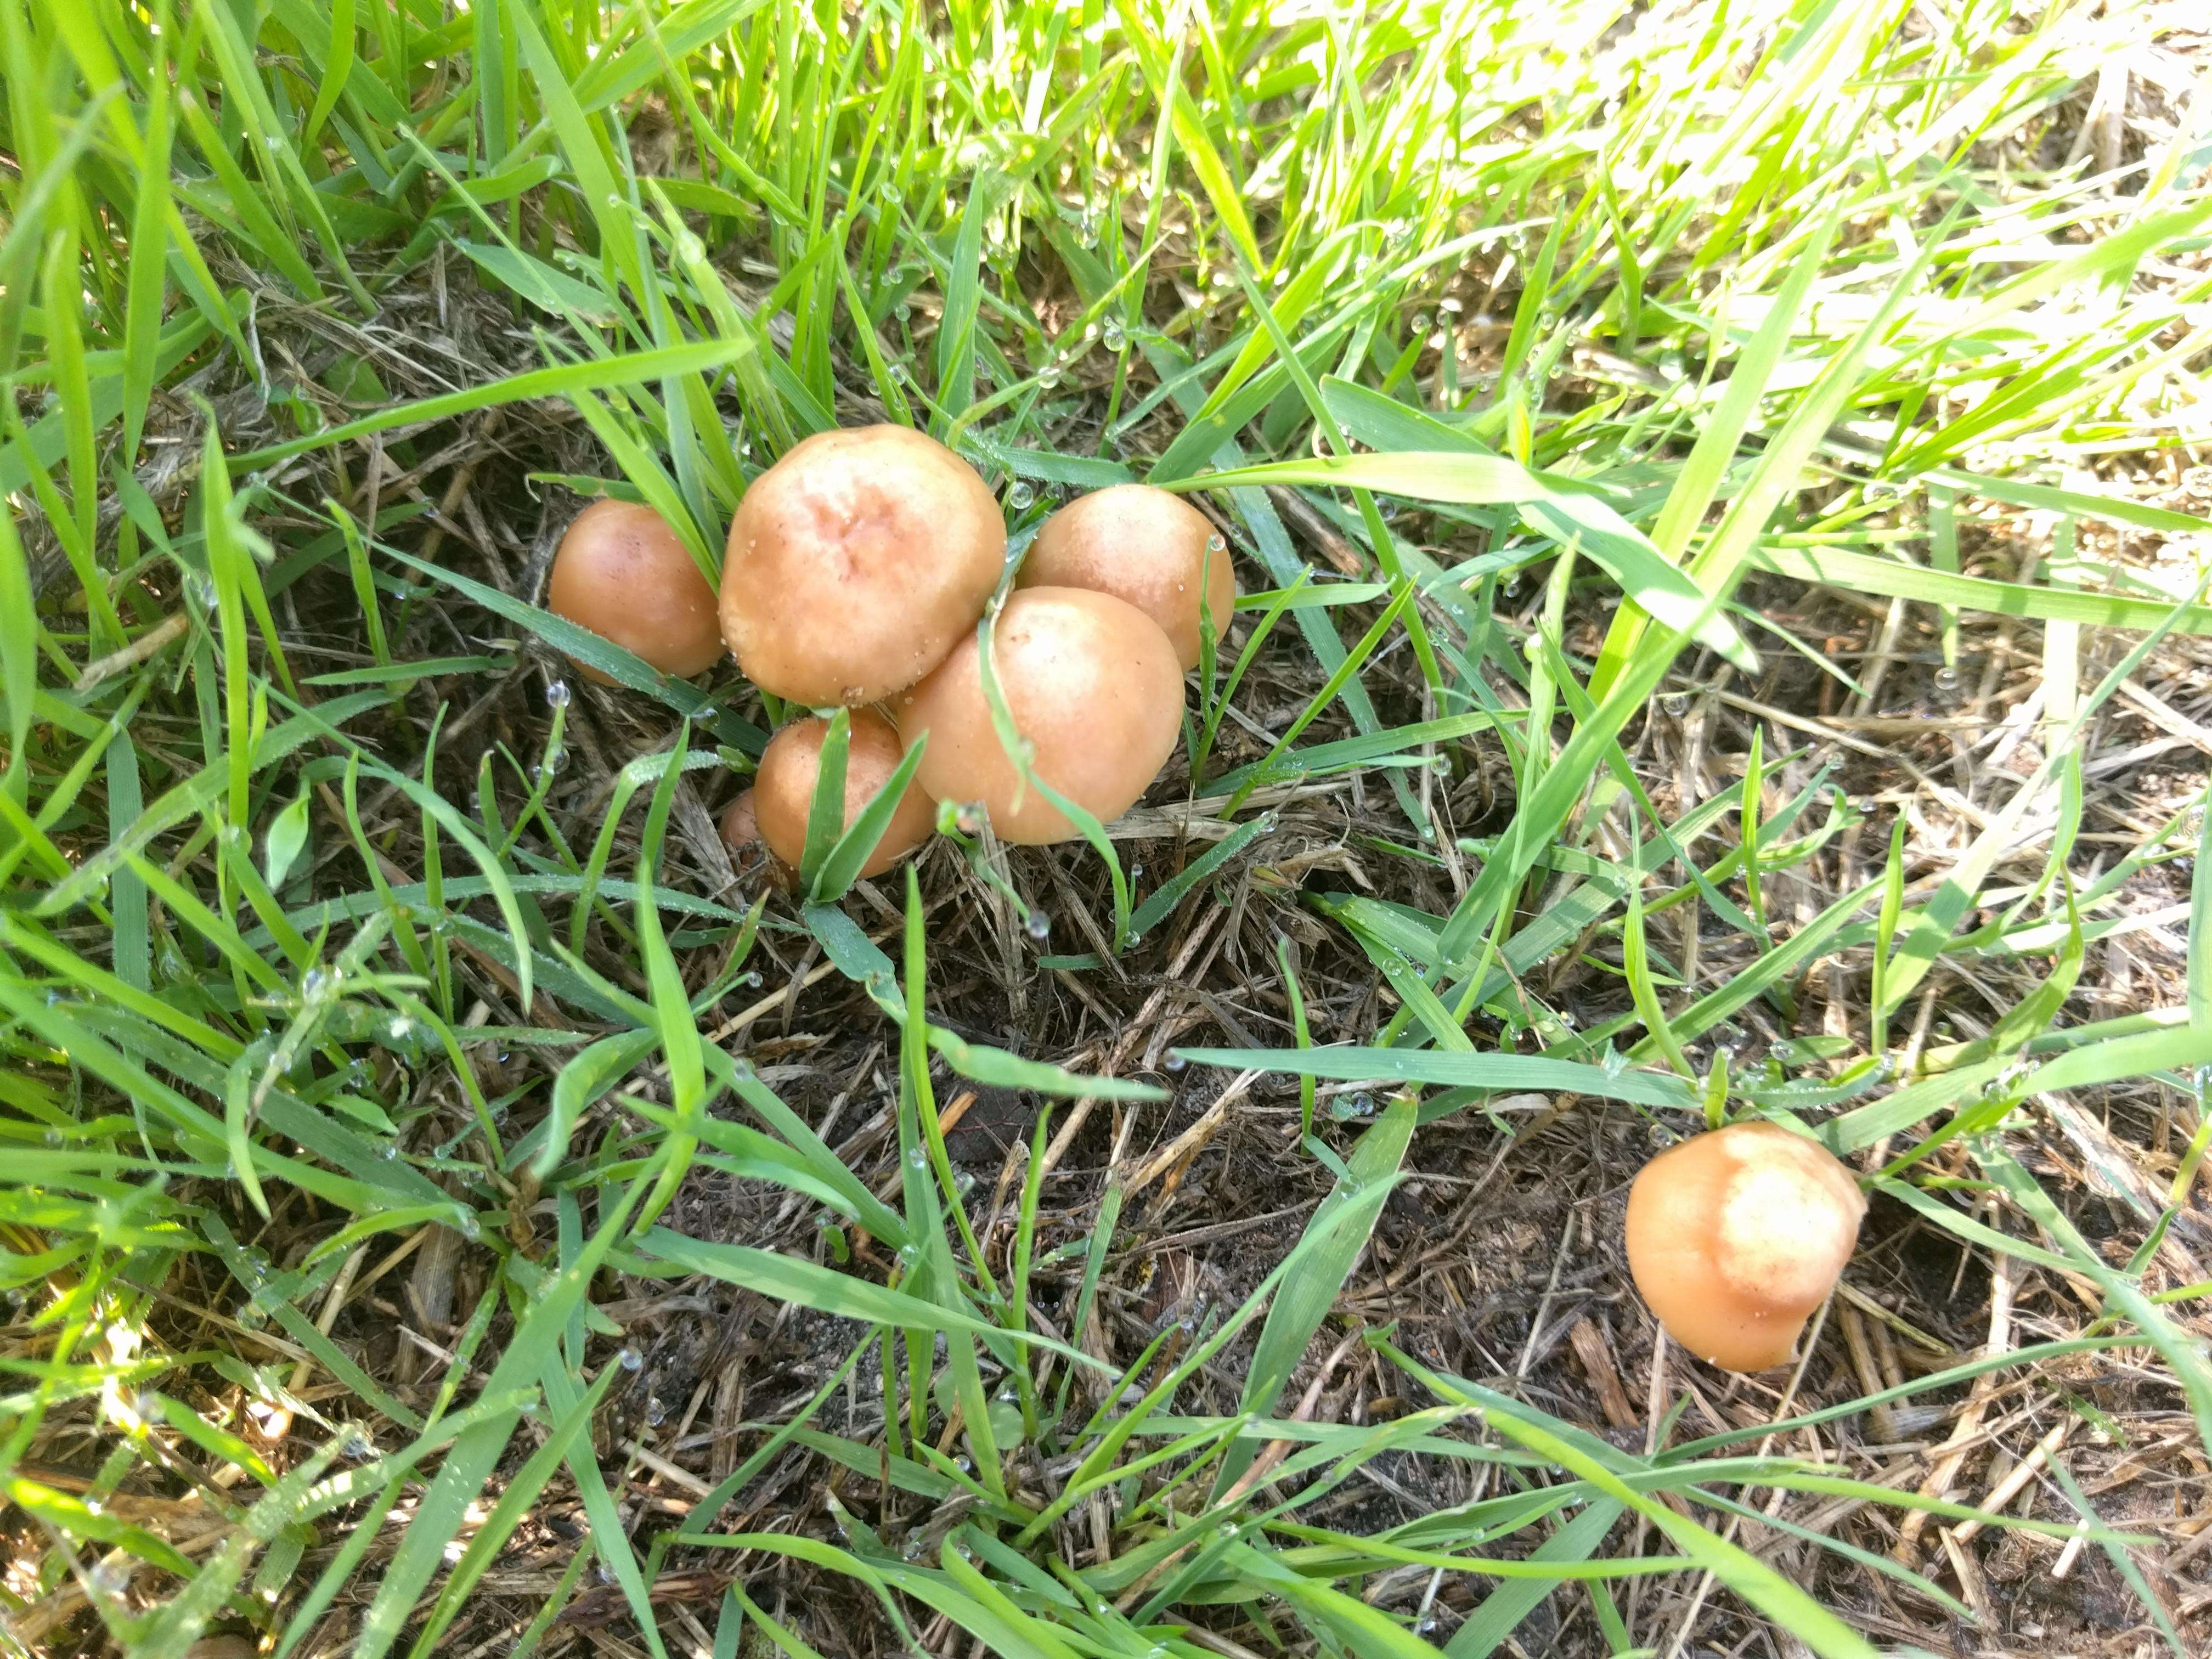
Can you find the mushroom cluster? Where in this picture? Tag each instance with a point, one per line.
(857, 570)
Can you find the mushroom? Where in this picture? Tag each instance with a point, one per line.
(741, 824)
(1145, 545)
(783, 789)
(856, 563)
(622, 572)
(1091, 683)
(1735, 1237)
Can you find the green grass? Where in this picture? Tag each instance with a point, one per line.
(1745, 299)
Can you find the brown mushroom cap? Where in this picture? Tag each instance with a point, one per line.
(1145, 545)
(856, 563)
(622, 572)
(1736, 1236)
(1090, 682)
(783, 789)
(740, 823)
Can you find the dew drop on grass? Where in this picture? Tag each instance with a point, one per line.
(1039, 925)
(1114, 336)
(1676, 704)
(1946, 678)
(655, 1412)
(630, 1359)
(1020, 495)
(1176, 1063)
(917, 1158)
(556, 695)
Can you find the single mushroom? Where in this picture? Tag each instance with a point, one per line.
(622, 572)
(856, 563)
(1141, 544)
(783, 789)
(741, 824)
(1092, 684)
(749, 854)
(1735, 1237)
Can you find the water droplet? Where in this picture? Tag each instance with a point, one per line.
(314, 982)
(1039, 925)
(1946, 678)
(964, 1465)
(556, 695)
(1114, 337)
(630, 1359)
(1676, 704)
(1176, 1063)
(903, 311)
(199, 588)
(1020, 495)
(910, 1254)
(969, 820)
(964, 1182)
(655, 1412)
(917, 1157)
(1420, 322)
(388, 1152)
